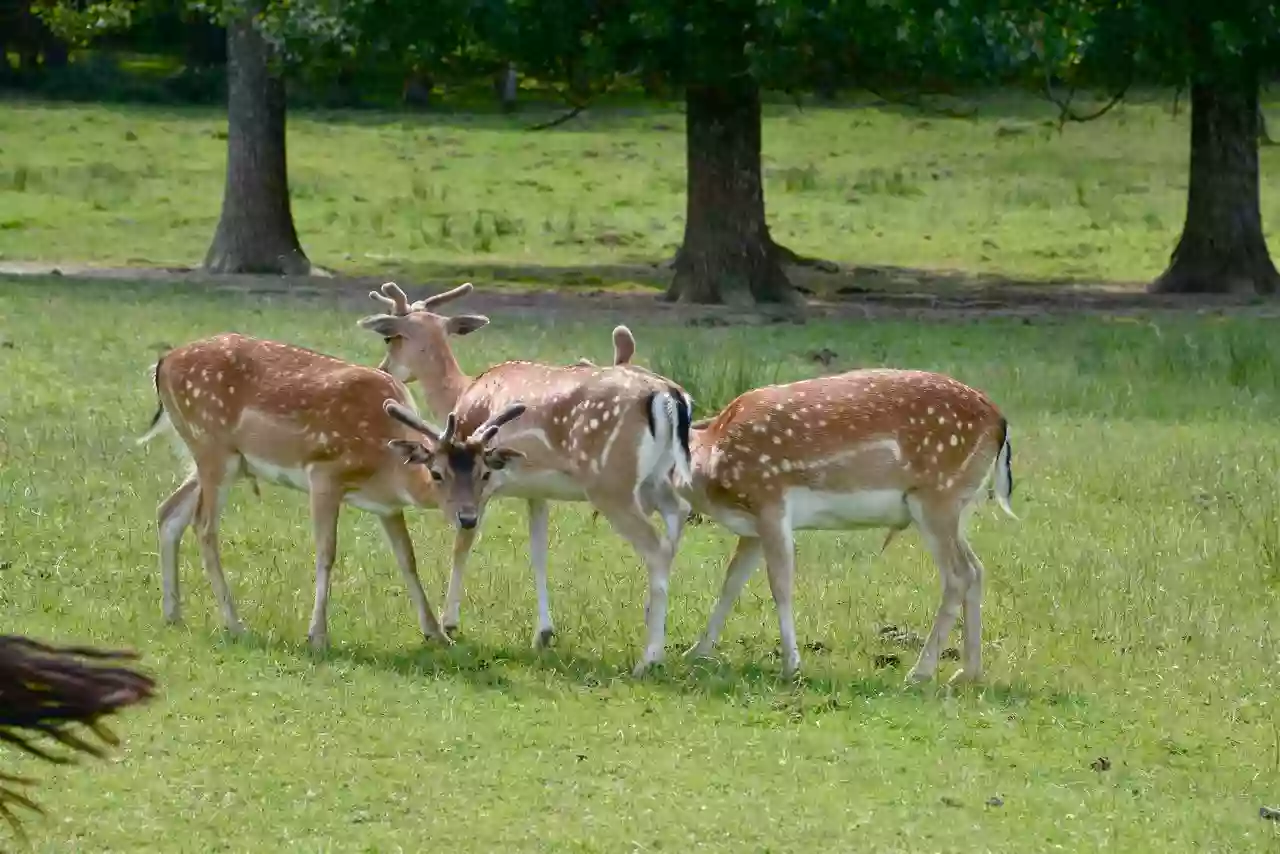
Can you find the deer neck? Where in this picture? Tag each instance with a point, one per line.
(442, 381)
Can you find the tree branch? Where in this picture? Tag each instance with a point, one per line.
(915, 103)
(1065, 113)
(560, 119)
(576, 108)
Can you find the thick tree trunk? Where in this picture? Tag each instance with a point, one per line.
(1222, 248)
(728, 255)
(256, 232)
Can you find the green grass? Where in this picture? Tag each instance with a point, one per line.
(1002, 192)
(1131, 615)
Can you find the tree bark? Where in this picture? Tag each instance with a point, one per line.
(728, 255)
(255, 233)
(1222, 248)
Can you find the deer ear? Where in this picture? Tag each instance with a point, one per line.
(386, 325)
(499, 458)
(412, 452)
(465, 324)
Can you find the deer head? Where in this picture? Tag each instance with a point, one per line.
(462, 469)
(414, 334)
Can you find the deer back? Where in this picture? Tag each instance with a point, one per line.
(866, 430)
(586, 421)
(285, 407)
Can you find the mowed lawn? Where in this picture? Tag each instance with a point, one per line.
(1130, 618)
(1000, 191)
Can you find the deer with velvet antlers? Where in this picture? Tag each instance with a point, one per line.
(868, 448)
(614, 436)
(264, 410)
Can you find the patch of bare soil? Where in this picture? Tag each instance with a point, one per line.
(848, 293)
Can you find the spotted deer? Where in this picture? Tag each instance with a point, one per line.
(612, 436)
(868, 448)
(242, 407)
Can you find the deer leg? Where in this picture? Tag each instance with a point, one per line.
(972, 625)
(746, 557)
(402, 546)
(539, 536)
(326, 504)
(174, 516)
(779, 548)
(630, 520)
(941, 533)
(674, 511)
(463, 541)
(215, 484)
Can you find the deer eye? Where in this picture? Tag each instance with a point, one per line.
(486, 475)
(388, 339)
(435, 475)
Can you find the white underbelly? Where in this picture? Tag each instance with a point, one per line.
(295, 478)
(739, 522)
(363, 502)
(836, 511)
(543, 483)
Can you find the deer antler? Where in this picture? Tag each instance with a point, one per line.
(450, 425)
(393, 297)
(411, 419)
(490, 428)
(439, 299)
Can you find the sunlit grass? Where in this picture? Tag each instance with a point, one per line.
(1001, 192)
(1130, 615)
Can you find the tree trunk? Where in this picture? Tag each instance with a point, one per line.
(728, 255)
(1222, 248)
(56, 53)
(256, 232)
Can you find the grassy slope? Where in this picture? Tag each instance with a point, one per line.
(999, 193)
(1129, 615)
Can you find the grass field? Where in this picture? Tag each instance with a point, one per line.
(1130, 615)
(1001, 192)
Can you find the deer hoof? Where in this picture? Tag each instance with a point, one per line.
(543, 637)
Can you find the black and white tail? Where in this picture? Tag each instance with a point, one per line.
(670, 416)
(160, 421)
(1004, 474)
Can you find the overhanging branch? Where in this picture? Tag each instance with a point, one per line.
(914, 101)
(1066, 114)
(576, 108)
(560, 119)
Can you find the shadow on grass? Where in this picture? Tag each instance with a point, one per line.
(633, 290)
(506, 669)
(615, 112)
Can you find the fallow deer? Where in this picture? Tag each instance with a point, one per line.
(868, 448)
(612, 436)
(245, 407)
